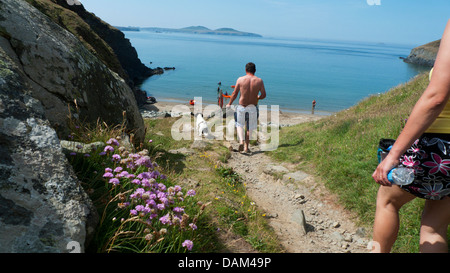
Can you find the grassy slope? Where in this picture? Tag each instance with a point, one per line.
(432, 47)
(341, 151)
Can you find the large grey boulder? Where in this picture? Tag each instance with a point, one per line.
(43, 208)
(105, 41)
(63, 73)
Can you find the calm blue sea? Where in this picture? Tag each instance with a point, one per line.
(337, 74)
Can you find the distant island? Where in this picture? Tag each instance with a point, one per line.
(192, 30)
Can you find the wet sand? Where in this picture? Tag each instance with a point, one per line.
(285, 118)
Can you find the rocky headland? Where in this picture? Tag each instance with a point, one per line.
(424, 55)
(58, 62)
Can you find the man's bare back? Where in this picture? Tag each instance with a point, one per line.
(249, 86)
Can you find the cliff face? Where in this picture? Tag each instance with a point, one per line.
(44, 71)
(104, 41)
(62, 72)
(424, 55)
(42, 205)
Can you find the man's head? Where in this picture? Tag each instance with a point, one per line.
(250, 68)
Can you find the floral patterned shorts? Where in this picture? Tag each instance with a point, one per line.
(429, 156)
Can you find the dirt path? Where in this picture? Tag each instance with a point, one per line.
(302, 213)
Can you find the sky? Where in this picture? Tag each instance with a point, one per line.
(410, 22)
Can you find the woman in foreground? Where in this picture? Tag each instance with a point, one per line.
(424, 144)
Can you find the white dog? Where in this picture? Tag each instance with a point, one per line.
(202, 126)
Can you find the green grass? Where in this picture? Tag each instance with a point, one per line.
(341, 151)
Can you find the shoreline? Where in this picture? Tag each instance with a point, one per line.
(162, 109)
(175, 101)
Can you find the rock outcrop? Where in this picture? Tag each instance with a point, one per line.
(42, 205)
(45, 70)
(424, 55)
(62, 72)
(102, 39)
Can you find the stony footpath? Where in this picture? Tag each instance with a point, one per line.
(304, 215)
(302, 212)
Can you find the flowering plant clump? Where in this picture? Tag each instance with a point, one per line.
(155, 209)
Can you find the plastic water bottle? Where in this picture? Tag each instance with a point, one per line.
(401, 176)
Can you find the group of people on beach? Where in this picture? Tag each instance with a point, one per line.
(423, 145)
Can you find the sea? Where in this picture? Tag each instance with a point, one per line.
(295, 71)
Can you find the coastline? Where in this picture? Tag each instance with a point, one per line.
(164, 108)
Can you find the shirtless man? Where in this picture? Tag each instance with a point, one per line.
(247, 111)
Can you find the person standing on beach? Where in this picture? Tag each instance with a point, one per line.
(220, 95)
(247, 111)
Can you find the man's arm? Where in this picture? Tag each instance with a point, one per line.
(263, 91)
(235, 93)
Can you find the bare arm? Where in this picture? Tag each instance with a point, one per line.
(424, 113)
(263, 91)
(235, 93)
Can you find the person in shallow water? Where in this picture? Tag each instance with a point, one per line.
(247, 111)
(424, 145)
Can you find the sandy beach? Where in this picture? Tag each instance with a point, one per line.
(164, 108)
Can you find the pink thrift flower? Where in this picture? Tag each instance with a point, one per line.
(193, 226)
(188, 244)
(108, 149)
(108, 175)
(116, 157)
(113, 141)
(190, 193)
(114, 181)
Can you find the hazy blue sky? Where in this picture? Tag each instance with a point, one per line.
(411, 22)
